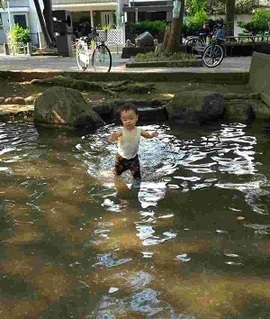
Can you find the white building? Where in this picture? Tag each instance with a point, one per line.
(110, 14)
(24, 13)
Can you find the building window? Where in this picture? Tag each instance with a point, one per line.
(20, 19)
(107, 19)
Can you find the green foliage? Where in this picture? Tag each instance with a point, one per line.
(194, 6)
(162, 56)
(154, 27)
(245, 6)
(192, 23)
(260, 22)
(241, 6)
(19, 35)
(3, 4)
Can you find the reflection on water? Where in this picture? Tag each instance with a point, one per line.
(193, 241)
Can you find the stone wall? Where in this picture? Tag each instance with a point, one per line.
(259, 75)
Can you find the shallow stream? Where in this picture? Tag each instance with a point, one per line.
(192, 242)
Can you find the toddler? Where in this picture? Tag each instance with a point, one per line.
(128, 139)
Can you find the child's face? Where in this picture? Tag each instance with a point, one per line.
(129, 119)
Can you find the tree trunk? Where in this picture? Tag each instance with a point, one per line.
(43, 25)
(47, 13)
(166, 36)
(173, 41)
(230, 8)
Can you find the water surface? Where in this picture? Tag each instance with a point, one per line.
(192, 242)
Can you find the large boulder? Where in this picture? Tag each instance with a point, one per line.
(65, 107)
(239, 110)
(144, 40)
(196, 107)
(260, 109)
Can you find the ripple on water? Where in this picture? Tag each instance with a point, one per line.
(110, 260)
(190, 183)
(144, 303)
(17, 140)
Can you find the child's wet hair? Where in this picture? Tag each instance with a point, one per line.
(128, 107)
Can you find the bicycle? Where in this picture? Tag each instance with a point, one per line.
(90, 49)
(196, 44)
(214, 53)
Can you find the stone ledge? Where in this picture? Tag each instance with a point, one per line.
(203, 77)
(168, 64)
(15, 108)
(12, 111)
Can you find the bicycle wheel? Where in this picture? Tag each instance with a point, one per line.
(213, 56)
(102, 59)
(82, 55)
(194, 44)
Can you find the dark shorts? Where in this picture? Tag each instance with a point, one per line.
(123, 164)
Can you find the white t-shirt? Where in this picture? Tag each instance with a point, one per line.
(128, 145)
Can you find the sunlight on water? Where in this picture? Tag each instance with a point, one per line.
(191, 242)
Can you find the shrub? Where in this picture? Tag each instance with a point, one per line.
(162, 56)
(259, 23)
(154, 27)
(19, 35)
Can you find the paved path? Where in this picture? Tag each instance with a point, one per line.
(54, 63)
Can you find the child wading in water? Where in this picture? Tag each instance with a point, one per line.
(128, 139)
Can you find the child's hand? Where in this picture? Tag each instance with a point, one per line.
(149, 135)
(113, 137)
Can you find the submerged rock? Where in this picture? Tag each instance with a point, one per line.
(66, 108)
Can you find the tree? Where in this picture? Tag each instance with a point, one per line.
(194, 6)
(173, 32)
(3, 4)
(230, 8)
(46, 21)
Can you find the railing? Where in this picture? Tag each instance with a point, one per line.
(20, 48)
(248, 38)
(112, 36)
(82, 2)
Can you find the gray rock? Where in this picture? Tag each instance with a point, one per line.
(144, 40)
(260, 110)
(104, 109)
(65, 107)
(239, 110)
(196, 107)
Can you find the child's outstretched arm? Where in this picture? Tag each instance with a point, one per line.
(149, 135)
(114, 136)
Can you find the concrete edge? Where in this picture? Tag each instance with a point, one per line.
(168, 64)
(203, 77)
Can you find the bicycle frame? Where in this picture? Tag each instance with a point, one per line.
(88, 49)
(213, 54)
